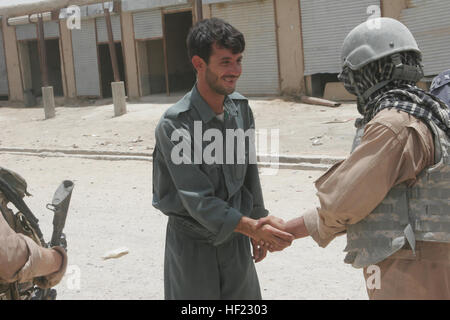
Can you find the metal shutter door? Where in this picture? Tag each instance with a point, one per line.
(102, 32)
(256, 20)
(325, 24)
(133, 5)
(176, 6)
(26, 32)
(3, 71)
(85, 59)
(147, 24)
(430, 24)
(51, 29)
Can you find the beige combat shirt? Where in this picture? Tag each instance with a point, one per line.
(395, 148)
(21, 259)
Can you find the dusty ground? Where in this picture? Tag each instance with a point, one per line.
(111, 203)
(95, 128)
(111, 208)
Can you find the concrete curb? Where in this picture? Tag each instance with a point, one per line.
(296, 162)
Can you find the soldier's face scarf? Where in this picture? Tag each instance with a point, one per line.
(400, 94)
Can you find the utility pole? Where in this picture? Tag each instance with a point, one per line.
(48, 98)
(117, 87)
(112, 47)
(42, 52)
(199, 9)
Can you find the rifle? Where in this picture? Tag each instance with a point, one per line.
(60, 207)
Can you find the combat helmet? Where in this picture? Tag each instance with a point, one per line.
(375, 39)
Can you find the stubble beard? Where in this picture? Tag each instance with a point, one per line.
(213, 82)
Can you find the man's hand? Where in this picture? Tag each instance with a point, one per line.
(295, 227)
(273, 221)
(273, 238)
(259, 252)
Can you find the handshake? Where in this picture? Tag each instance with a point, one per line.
(271, 233)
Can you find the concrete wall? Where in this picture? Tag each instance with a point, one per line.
(290, 48)
(129, 50)
(68, 68)
(393, 8)
(12, 62)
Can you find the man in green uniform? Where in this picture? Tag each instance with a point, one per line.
(210, 188)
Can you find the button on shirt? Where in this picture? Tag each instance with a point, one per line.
(208, 198)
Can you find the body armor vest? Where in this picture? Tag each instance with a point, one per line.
(407, 214)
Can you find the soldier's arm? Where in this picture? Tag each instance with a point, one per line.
(21, 259)
(395, 148)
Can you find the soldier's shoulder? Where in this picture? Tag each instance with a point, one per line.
(394, 119)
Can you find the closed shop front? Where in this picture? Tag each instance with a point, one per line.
(149, 35)
(102, 31)
(104, 56)
(429, 22)
(325, 24)
(85, 58)
(29, 31)
(256, 20)
(160, 31)
(28, 49)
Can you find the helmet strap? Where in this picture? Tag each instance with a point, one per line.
(401, 72)
(404, 71)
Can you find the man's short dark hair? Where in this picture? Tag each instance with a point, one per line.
(209, 31)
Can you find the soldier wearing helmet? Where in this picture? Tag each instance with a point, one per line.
(391, 195)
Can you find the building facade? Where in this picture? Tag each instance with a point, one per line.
(292, 46)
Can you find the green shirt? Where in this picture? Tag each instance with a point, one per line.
(210, 198)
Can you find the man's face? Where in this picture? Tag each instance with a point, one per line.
(223, 70)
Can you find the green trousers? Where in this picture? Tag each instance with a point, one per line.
(194, 269)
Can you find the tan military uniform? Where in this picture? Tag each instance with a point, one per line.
(23, 260)
(395, 148)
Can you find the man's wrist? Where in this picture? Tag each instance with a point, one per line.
(246, 226)
(297, 228)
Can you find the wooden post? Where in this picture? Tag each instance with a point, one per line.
(199, 10)
(112, 47)
(42, 51)
(166, 65)
(48, 98)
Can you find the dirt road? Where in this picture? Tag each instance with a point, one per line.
(111, 208)
(303, 129)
